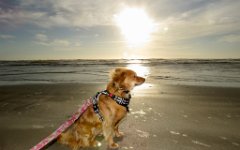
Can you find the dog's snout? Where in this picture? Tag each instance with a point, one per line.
(142, 79)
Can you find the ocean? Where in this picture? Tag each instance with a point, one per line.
(204, 72)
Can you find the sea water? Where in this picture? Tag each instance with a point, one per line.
(205, 72)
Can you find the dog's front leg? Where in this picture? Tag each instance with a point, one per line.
(108, 132)
(117, 132)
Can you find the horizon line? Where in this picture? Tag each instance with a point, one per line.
(66, 59)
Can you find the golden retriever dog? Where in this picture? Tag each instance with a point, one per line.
(83, 132)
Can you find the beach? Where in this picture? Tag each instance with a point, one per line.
(57, 56)
(162, 116)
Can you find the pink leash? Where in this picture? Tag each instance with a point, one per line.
(63, 127)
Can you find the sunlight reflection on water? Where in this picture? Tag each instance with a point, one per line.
(143, 86)
(141, 71)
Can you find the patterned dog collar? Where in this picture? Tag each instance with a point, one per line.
(119, 100)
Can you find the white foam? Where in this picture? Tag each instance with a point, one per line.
(175, 141)
(234, 143)
(229, 116)
(200, 143)
(143, 134)
(130, 147)
(35, 126)
(140, 112)
(4, 104)
(223, 138)
(159, 114)
(174, 132)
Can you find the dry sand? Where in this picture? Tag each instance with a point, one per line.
(163, 117)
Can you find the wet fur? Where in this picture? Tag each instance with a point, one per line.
(83, 132)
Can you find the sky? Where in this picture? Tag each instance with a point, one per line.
(116, 29)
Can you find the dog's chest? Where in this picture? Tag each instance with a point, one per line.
(120, 113)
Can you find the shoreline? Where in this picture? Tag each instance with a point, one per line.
(150, 84)
(162, 116)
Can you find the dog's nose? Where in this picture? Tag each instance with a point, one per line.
(143, 79)
(130, 96)
(126, 91)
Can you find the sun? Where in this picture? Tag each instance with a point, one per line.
(135, 25)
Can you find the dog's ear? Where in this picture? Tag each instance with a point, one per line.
(117, 75)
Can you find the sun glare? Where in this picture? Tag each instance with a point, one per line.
(135, 25)
(139, 69)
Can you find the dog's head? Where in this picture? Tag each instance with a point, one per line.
(125, 79)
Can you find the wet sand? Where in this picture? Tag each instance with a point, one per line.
(163, 117)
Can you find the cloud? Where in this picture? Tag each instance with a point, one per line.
(6, 36)
(52, 13)
(72, 13)
(232, 38)
(60, 42)
(178, 20)
(43, 39)
(210, 19)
